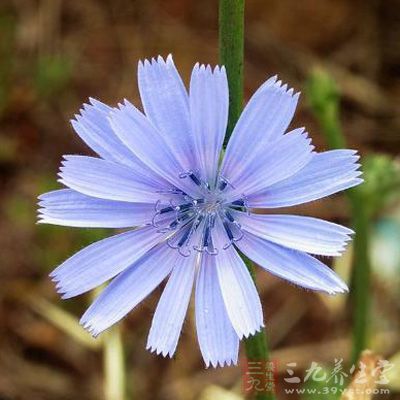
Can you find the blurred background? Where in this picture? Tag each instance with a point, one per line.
(54, 54)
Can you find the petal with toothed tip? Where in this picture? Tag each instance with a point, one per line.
(265, 119)
(294, 266)
(69, 208)
(209, 103)
(102, 260)
(240, 295)
(107, 180)
(218, 341)
(93, 127)
(171, 309)
(166, 105)
(327, 173)
(311, 235)
(282, 159)
(141, 136)
(129, 288)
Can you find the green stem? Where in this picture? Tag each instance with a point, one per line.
(361, 274)
(114, 368)
(231, 43)
(256, 346)
(324, 99)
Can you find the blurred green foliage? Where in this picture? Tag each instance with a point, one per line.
(53, 74)
(327, 389)
(382, 182)
(7, 35)
(323, 96)
(53, 243)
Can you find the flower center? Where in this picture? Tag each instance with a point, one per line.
(192, 221)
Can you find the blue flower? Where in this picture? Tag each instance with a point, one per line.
(160, 171)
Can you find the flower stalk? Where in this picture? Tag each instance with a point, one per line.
(231, 48)
(114, 365)
(231, 45)
(324, 99)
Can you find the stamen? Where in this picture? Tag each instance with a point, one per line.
(185, 237)
(173, 225)
(242, 204)
(238, 203)
(223, 183)
(206, 233)
(172, 191)
(195, 218)
(228, 231)
(194, 176)
(238, 232)
(209, 243)
(232, 229)
(195, 179)
(184, 207)
(230, 218)
(158, 202)
(179, 238)
(195, 225)
(180, 218)
(160, 212)
(184, 216)
(183, 244)
(210, 249)
(166, 210)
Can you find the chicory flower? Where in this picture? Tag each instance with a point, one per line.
(159, 174)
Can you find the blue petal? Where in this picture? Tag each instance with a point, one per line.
(107, 180)
(282, 159)
(172, 307)
(69, 208)
(307, 234)
(209, 102)
(95, 130)
(103, 260)
(129, 289)
(166, 105)
(237, 287)
(294, 266)
(239, 293)
(141, 136)
(219, 343)
(264, 120)
(327, 173)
